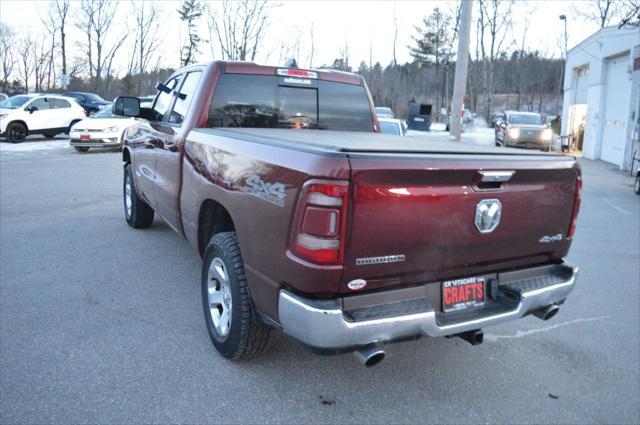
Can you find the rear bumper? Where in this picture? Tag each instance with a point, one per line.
(324, 326)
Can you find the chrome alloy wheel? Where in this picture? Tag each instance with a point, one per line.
(128, 201)
(219, 292)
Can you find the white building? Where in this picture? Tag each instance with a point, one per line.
(601, 104)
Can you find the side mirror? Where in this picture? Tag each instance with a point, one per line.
(32, 109)
(126, 106)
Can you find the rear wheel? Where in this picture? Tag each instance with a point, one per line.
(16, 132)
(137, 212)
(232, 323)
(636, 186)
(82, 149)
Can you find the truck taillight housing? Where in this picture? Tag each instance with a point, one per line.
(321, 222)
(576, 208)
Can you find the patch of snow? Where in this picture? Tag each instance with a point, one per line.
(34, 146)
(438, 126)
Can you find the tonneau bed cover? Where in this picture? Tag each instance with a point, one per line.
(356, 142)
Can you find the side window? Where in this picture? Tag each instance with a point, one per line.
(184, 97)
(59, 104)
(42, 104)
(244, 101)
(163, 101)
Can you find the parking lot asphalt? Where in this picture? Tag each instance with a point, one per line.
(101, 323)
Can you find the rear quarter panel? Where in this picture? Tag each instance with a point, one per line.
(226, 169)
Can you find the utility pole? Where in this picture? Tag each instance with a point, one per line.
(462, 65)
(561, 85)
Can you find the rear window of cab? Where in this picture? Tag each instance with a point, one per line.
(264, 101)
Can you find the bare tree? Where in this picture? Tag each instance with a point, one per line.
(631, 14)
(50, 23)
(7, 58)
(239, 27)
(95, 20)
(147, 40)
(25, 50)
(62, 10)
(395, 34)
(608, 12)
(41, 60)
(312, 48)
(495, 25)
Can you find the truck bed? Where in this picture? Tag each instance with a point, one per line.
(417, 200)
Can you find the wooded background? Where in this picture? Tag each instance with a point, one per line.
(502, 74)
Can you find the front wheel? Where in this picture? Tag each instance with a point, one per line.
(232, 323)
(636, 186)
(137, 212)
(16, 132)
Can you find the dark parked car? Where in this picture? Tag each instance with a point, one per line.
(91, 102)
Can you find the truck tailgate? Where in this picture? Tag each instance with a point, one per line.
(412, 217)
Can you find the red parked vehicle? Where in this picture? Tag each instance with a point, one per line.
(310, 221)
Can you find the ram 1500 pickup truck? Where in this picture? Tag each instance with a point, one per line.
(310, 221)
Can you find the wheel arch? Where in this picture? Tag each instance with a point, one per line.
(72, 123)
(126, 156)
(18, 122)
(213, 218)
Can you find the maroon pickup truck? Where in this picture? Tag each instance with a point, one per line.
(310, 221)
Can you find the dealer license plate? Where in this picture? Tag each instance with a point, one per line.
(462, 294)
(85, 137)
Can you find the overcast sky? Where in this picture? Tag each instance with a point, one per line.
(361, 23)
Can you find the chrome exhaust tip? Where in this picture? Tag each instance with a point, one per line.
(547, 312)
(370, 355)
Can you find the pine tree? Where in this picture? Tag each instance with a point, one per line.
(190, 11)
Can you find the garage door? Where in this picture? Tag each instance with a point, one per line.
(617, 91)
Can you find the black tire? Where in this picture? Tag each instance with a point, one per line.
(636, 186)
(50, 135)
(81, 149)
(246, 336)
(16, 132)
(140, 215)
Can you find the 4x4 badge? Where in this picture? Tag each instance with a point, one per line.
(270, 192)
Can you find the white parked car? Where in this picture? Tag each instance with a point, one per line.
(46, 114)
(393, 126)
(103, 130)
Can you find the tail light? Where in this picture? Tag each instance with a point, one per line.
(576, 208)
(321, 222)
